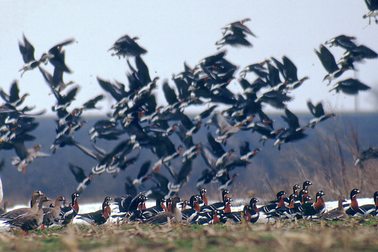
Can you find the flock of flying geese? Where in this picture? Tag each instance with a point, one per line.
(197, 210)
(149, 127)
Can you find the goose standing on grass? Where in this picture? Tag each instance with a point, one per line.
(371, 209)
(354, 209)
(51, 215)
(98, 217)
(67, 213)
(174, 214)
(337, 213)
(251, 212)
(23, 210)
(29, 221)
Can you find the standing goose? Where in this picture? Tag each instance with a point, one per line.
(158, 208)
(30, 221)
(98, 217)
(69, 212)
(51, 215)
(23, 210)
(251, 212)
(203, 196)
(354, 209)
(316, 208)
(192, 213)
(174, 214)
(371, 209)
(337, 213)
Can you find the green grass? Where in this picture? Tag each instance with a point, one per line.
(352, 235)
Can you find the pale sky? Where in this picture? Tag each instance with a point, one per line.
(175, 32)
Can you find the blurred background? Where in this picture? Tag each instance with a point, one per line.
(174, 33)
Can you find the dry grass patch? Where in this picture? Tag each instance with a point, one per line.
(352, 235)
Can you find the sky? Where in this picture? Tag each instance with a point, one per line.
(175, 32)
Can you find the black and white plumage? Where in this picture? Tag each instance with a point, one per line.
(372, 5)
(318, 113)
(55, 81)
(236, 39)
(358, 54)
(126, 46)
(80, 177)
(350, 86)
(238, 26)
(98, 217)
(291, 134)
(370, 153)
(173, 215)
(68, 213)
(342, 41)
(329, 63)
(13, 98)
(236, 36)
(27, 51)
(287, 69)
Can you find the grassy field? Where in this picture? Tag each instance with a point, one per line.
(357, 234)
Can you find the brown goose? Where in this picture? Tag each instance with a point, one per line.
(29, 221)
(337, 213)
(23, 210)
(51, 215)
